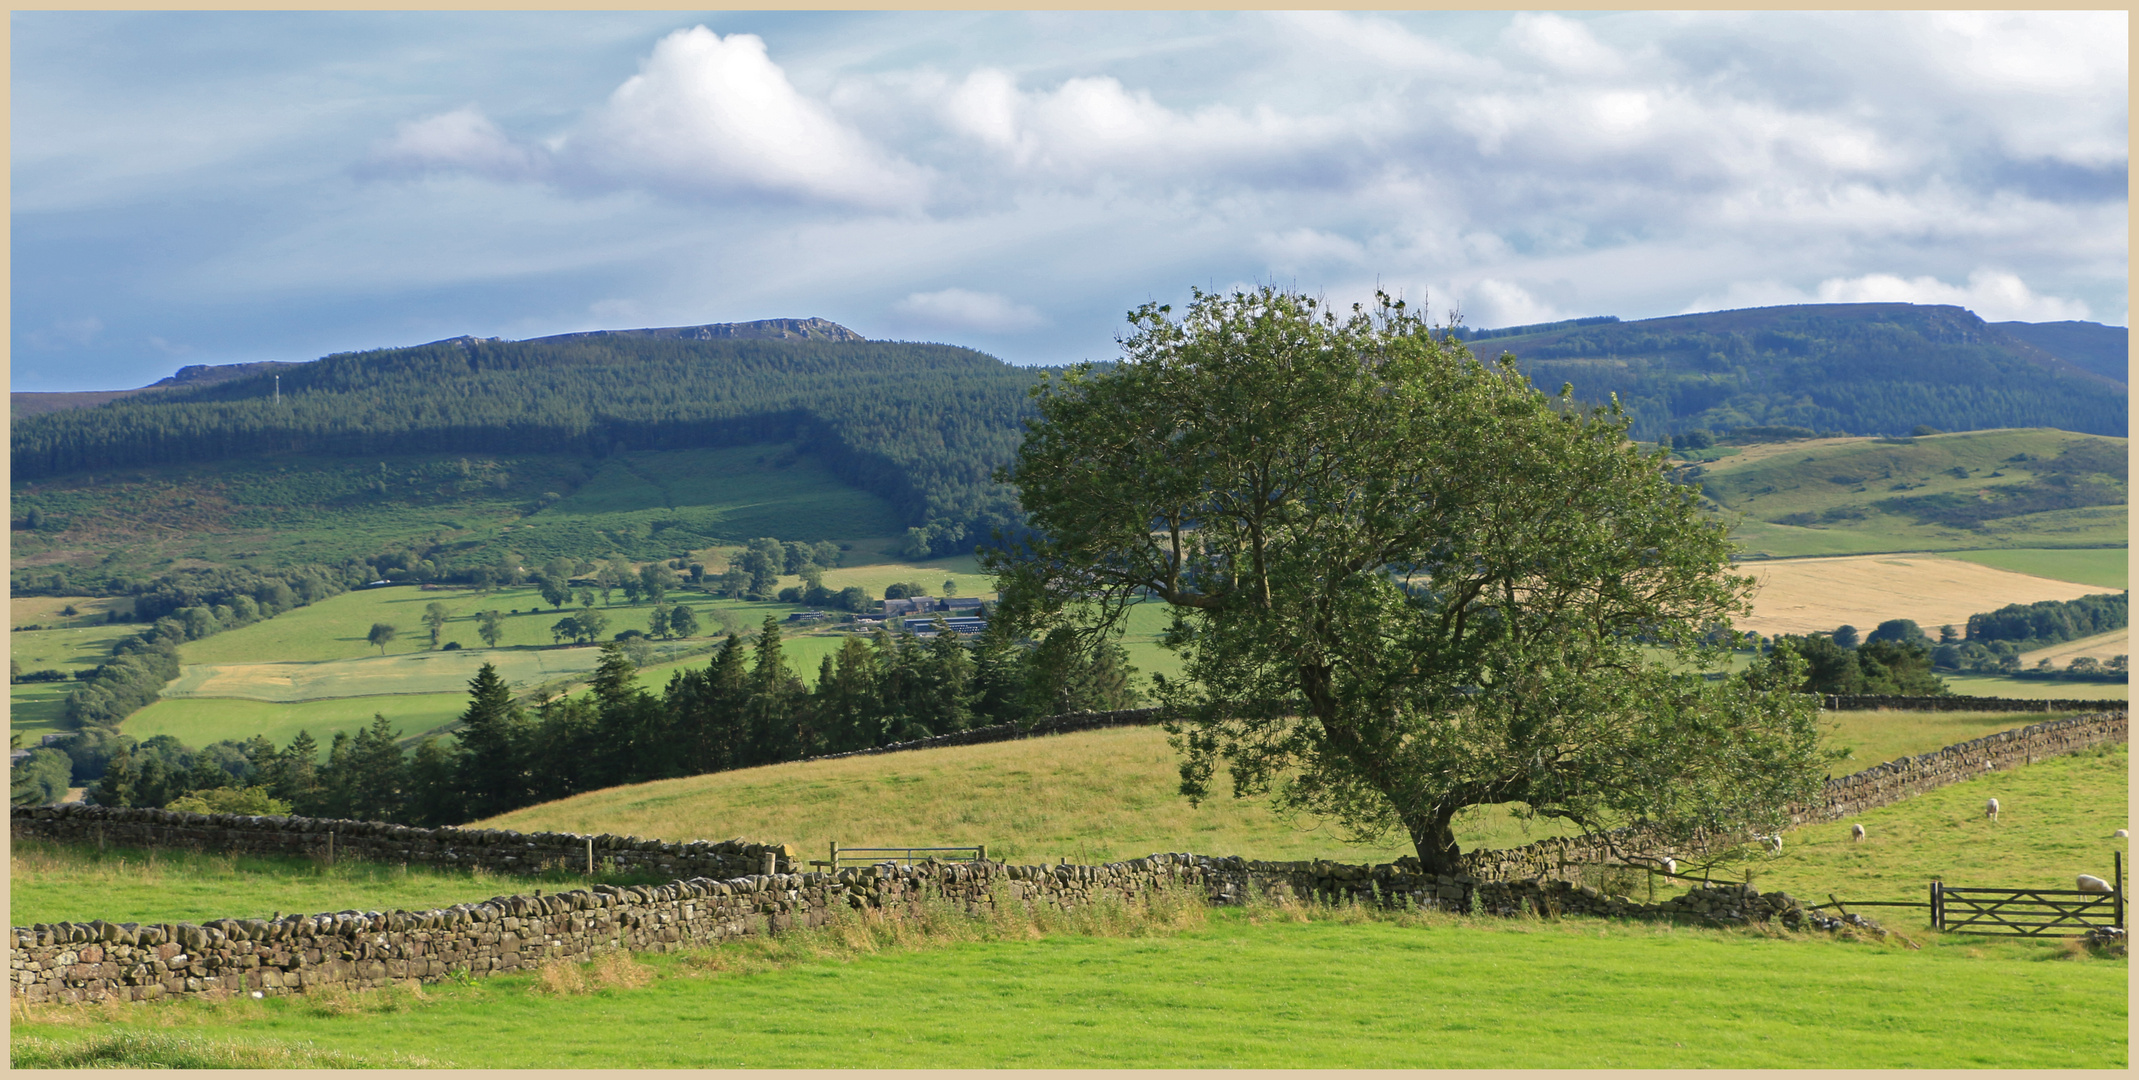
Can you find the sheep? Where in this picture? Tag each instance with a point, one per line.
(1990, 810)
(1774, 843)
(2091, 883)
(1671, 866)
(1856, 833)
(2121, 834)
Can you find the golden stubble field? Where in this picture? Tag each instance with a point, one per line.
(1799, 596)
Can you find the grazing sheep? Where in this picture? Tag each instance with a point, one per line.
(1856, 833)
(1990, 810)
(1671, 866)
(2121, 834)
(2091, 883)
(1774, 843)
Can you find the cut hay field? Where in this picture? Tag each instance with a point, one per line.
(1087, 797)
(1257, 988)
(2100, 646)
(1799, 596)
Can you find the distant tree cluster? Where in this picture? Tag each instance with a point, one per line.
(747, 707)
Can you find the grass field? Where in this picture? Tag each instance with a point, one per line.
(1265, 987)
(1845, 491)
(1798, 596)
(2037, 689)
(1088, 797)
(48, 610)
(2055, 820)
(50, 882)
(2103, 568)
(200, 721)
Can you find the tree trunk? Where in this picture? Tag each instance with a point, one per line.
(1435, 841)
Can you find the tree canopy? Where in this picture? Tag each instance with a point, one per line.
(1404, 581)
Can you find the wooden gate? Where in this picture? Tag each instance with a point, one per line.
(2028, 912)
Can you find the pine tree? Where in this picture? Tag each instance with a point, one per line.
(493, 737)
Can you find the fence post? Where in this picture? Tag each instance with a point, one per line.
(1938, 906)
(772, 863)
(330, 847)
(981, 853)
(832, 867)
(590, 856)
(2119, 893)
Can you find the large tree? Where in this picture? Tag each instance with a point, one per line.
(1404, 581)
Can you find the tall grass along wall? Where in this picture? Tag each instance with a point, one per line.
(1839, 702)
(740, 888)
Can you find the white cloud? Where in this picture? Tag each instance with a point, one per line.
(463, 140)
(707, 115)
(1995, 295)
(964, 309)
(1563, 45)
(1490, 303)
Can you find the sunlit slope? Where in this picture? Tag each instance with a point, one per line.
(1088, 797)
(2007, 488)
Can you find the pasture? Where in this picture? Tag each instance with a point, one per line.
(2035, 689)
(2106, 568)
(2055, 821)
(1262, 987)
(200, 721)
(50, 882)
(1086, 797)
(50, 610)
(1799, 596)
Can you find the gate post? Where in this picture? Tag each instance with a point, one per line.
(2119, 893)
(1938, 907)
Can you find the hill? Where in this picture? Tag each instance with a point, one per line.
(1862, 369)
(921, 427)
(2104, 350)
(32, 403)
(2031, 487)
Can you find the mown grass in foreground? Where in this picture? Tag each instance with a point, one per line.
(50, 882)
(1179, 985)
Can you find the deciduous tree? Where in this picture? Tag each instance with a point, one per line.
(1405, 582)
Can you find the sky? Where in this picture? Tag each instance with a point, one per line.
(212, 188)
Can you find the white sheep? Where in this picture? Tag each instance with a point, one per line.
(1671, 866)
(1990, 810)
(1856, 833)
(1774, 843)
(2091, 883)
(2121, 834)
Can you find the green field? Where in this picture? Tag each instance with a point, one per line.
(200, 721)
(2055, 820)
(1851, 496)
(1256, 988)
(2109, 568)
(50, 882)
(2035, 689)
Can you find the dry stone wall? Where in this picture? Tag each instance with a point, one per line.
(1880, 785)
(1834, 702)
(98, 961)
(1062, 724)
(494, 850)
